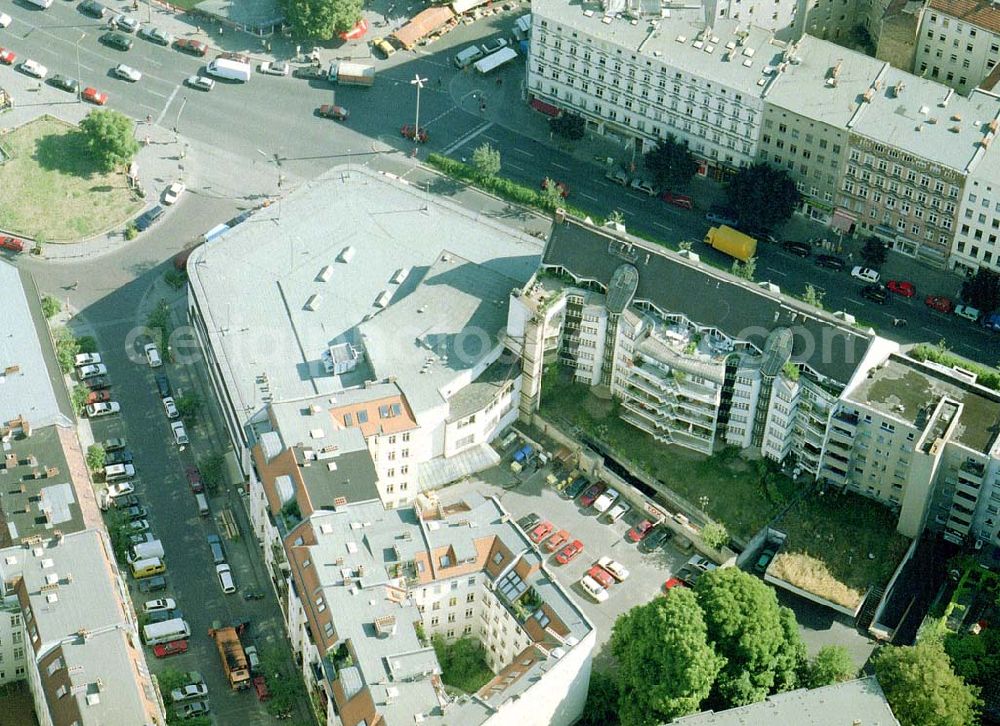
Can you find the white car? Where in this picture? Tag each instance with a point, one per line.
(173, 192)
(5, 20)
(272, 68)
(87, 359)
(162, 603)
(200, 82)
(127, 73)
(180, 435)
(225, 578)
(593, 588)
(604, 502)
(618, 511)
(641, 185)
(89, 371)
(865, 273)
(103, 409)
(170, 407)
(138, 525)
(616, 568)
(125, 23)
(34, 68)
(192, 690)
(152, 355)
(120, 489)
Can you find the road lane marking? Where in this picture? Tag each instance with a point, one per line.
(663, 226)
(587, 196)
(602, 183)
(560, 166)
(155, 93)
(490, 138)
(929, 330)
(167, 104)
(462, 141)
(852, 301)
(633, 196)
(776, 272)
(522, 151)
(512, 165)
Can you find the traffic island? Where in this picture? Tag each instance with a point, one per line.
(51, 188)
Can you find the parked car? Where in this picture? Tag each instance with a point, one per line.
(865, 274)
(274, 68)
(563, 189)
(557, 540)
(644, 185)
(114, 444)
(188, 45)
(671, 583)
(639, 532)
(139, 525)
(70, 85)
(591, 495)
(967, 311)
(97, 383)
(528, 521)
(130, 500)
(875, 293)
(830, 262)
(92, 95)
(120, 488)
(125, 23)
(86, 359)
(179, 433)
(901, 287)
(615, 568)
(493, 45)
(573, 490)
(568, 553)
(593, 588)
(145, 220)
(618, 511)
(170, 407)
(604, 502)
(386, 47)
(127, 73)
(93, 8)
(118, 456)
(162, 616)
(161, 603)
(193, 477)
(225, 575)
(34, 68)
(200, 83)
(89, 371)
(5, 20)
(799, 249)
(939, 303)
(722, 215)
(95, 410)
(7, 57)
(154, 584)
(681, 201)
(174, 647)
(160, 37)
(541, 531)
(152, 355)
(991, 322)
(654, 539)
(99, 396)
(601, 576)
(186, 693)
(195, 708)
(764, 560)
(173, 193)
(137, 512)
(11, 243)
(329, 110)
(618, 176)
(134, 539)
(215, 545)
(117, 41)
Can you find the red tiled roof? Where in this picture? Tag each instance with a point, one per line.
(976, 12)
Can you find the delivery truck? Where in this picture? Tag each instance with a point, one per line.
(733, 242)
(145, 550)
(495, 60)
(230, 70)
(351, 74)
(234, 659)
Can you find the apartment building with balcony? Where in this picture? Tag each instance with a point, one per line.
(975, 245)
(368, 587)
(639, 74)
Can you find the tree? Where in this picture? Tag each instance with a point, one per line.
(666, 665)
(95, 457)
(813, 297)
(832, 664)
(50, 306)
(463, 663)
(569, 125)
(715, 535)
(874, 252)
(552, 197)
(118, 533)
(922, 687)
(486, 161)
(110, 137)
(212, 468)
(747, 628)
(670, 163)
(602, 701)
(982, 290)
(79, 397)
(321, 19)
(976, 658)
(285, 685)
(188, 406)
(66, 349)
(763, 197)
(745, 270)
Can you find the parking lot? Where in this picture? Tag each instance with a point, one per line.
(647, 571)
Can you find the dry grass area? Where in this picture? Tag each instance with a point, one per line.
(838, 546)
(51, 189)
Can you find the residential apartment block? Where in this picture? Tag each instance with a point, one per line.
(958, 44)
(390, 329)
(975, 244)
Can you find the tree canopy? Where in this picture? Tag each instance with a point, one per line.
(486, 161)
(666, 666)
(922, 687)
(982, 290)
(321, 19)
(874, 252)
(569, 125)
(670, 163)
(602, 701)
(832, 664)
(762, 196)
(110, 138)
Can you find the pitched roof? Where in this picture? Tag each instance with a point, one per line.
(976, 12)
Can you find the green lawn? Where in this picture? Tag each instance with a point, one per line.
(463, 663)
(51, 189)
(741, 494)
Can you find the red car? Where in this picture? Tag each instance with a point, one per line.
(939, 303)
(602, 576)
(677, 200)
(260, 686)
(12, 243)
(407, 133)
(194, 479)
(194, 47)
(541, 531)
(591, 495)
(900, 287)
(7, 57)
(174, 647)
(672, 583)
(557, 540)
(568, 553)
(99, 396)
(98, 98)
(639, 531)
(337, 113)
(563, 189)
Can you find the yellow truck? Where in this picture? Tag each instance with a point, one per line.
(733, 242)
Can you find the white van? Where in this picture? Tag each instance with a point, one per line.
(144, 551)
(230, 70)
(175, 629)
(202, 504)
(118, 471)
(468, 56)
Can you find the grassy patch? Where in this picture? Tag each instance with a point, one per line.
(463, 663)
(741, 494)
(49, 169)
(830, 538)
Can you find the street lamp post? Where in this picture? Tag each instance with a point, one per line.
(79, 82)
(419, 83)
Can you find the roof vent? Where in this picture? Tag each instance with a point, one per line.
(925, 110)
(313, 303)
(897, 90)
(682, 39)
(831, 82)
(869, 94)
(325, 274)
(346, 255)
(956, 117)
(955, 129)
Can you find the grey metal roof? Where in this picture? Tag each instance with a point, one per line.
(709, 297)
(860, 702)
(35, 390)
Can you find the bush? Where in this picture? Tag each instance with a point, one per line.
(95, 457)
(212, 468)
(131, 231)
(988, 377)
(715, 535)
(79, 397)
(87, 344)
(50, 307)
(463, 663)
(175, 278)
(66, 349)
(188, 406)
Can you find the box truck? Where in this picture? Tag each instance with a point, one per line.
(175, 629)
(351, 74)
(733, 242)
(231, 70)
(495, 60)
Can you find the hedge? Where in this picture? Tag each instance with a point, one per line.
(988, 377)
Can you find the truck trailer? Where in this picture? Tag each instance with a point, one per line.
(234, 659)
(351, 74)
(733, 242)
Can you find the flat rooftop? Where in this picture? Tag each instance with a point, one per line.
(30, 380)
(709, 297)
(676, 39)
(282, 287)
(909, 391)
